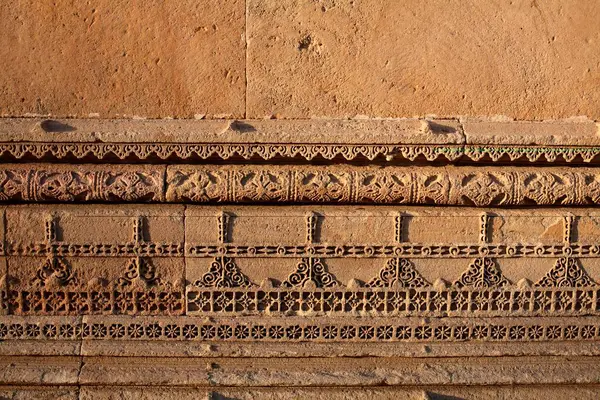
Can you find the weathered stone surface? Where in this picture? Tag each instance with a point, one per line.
(292, 184)
(391, 393)
(527, 60)
(582, 132)
(113, 58)
(39, 393)
(339, 372)
(381, 141)
(302, 292)
(131, 271)
(281, 132)
(64, 183)
(213, 260)
(37, 370)
(450, 186)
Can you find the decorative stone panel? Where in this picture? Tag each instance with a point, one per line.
(226, 260)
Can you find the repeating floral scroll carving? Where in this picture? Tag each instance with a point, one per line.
(199, 186)
(310, 271)
(481, 186)
(398, 272)
(303, 151)
(482, 273)
(129, 186)
(396, 188)
(223, 273)
(566, 273)
(484, 189)
(261, 186)
(322, 186)
(80, 183)
(12, 184)
(549, 188)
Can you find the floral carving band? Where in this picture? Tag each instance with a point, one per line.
(452, 186)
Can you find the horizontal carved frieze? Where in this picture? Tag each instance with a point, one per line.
(186, 152)
(169, 231)
(491, 186)
(146, 260)
(81, 183)
(464, 186)
(189, 152)
(316, 330)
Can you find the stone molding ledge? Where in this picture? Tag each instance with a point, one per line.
(383, 141)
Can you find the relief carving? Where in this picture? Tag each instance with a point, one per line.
(223, 273)
(398, 273)
(566, 273)
(481, 187)
(482, 273)
(107, 152)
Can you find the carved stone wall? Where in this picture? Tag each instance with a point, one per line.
(393, 258)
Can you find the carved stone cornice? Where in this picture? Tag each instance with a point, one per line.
(382, 141)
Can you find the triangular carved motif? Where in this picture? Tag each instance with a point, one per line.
(400, 273)
(566, 273)
(224, 272)
(482, 273)
(54, 272)
(310, 270)
(140, 270)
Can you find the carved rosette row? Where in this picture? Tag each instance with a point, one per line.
(305, 151)
(482, 186)
(185, 329)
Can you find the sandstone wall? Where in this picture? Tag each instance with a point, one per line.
(282, 199)
(300, 58)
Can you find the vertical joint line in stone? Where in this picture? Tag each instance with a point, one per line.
(223, 221)
(484, 224)
(568, 226)
(311, 227)
(398, 227)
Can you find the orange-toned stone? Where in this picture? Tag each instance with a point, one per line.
(114, 58)
(575, 132)
(524, 59)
